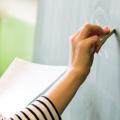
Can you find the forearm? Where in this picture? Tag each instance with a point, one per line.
(64, 90)
(58, 97)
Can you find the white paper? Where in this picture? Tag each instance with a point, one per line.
(23, 81)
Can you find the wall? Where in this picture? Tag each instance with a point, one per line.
(98, 98)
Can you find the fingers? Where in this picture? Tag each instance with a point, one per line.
(97, 49)
(75, 35)
(91, 29)
(92, 43)
(92, 40)
(106, 30)
(99, 45)
(90, 34)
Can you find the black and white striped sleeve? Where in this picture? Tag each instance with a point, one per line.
(40, 109)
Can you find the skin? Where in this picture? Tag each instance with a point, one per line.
(80, 62)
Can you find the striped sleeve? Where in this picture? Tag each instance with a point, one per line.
(40, 109)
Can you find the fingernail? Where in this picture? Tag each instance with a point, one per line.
(107, 28)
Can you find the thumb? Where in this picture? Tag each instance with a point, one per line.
(92, 43)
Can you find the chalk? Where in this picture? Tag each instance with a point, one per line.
(102, 41)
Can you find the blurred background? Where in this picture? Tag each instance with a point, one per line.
(17, 30)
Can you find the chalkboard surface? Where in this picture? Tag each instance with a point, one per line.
(99, 97)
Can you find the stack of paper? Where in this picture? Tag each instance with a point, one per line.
(23, 81)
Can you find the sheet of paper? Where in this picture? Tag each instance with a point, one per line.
(23, 81)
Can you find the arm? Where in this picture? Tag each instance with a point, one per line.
(58, 97)
(80, 63)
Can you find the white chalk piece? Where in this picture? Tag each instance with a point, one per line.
(103, 40)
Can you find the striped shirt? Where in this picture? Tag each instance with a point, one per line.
(41, 109)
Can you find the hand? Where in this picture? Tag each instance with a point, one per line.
(83, 45)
